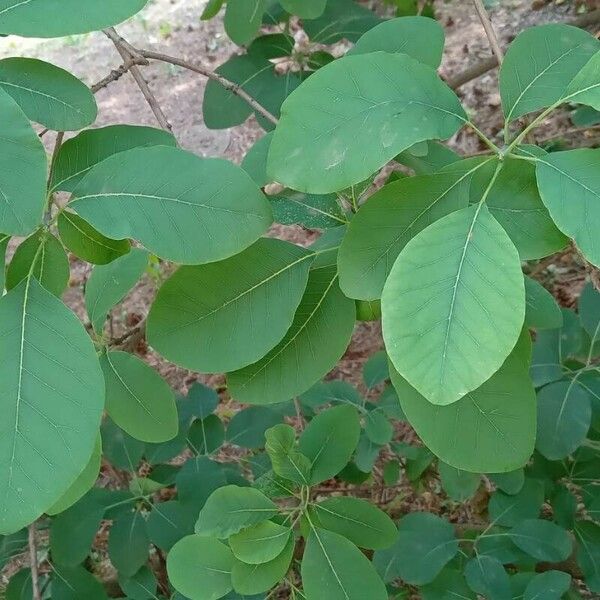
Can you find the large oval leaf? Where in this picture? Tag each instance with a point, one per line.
(490, 430)
(52, 397)
(48, 94)
(540, 65)
(454, 304)
(570, 189)
(22, 171)
(138, 399)
(226, 315)
(181, 207)
(316, 340)
(354, 115)
(57, 18)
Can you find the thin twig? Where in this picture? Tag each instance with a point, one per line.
(35, 583)
(234, 88)
(489, 30)
(114, 75)
(131, 55)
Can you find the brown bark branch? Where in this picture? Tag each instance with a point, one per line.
(489, 30)
(35, 582)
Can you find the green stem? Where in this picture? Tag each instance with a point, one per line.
(484, 138)
(532, 126)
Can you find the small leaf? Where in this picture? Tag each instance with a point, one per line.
(74, 583)
(329, 441)
(362, 523)
(140, 585)
(119, 448)
(211, 9)
(486, 575)
(109, 284)
(207, 435)
(232, 508)
(589, 311)
(509, 510)
(542, 539)
(255, 161)
(243, 19)
(542, 311)
(48, 94)
(334, 568)
(312, 211)
(87, 243)
(448, 585)
(510, 482)
(287, 461)
(459, 485)
(128, 544)
(550, 585)
(247, 428)
(378, 427)
(260, 543)
(305, 9)
(138, 399)
(587, 534)
(168, 523)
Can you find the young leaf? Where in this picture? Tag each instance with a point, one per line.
(260, 543)
(243, 19)
(119, 448)
(287, 461)
(509, 510)
(564, 418)
(48, 94)
(109, 284)
(22, 152)
(459, 485)
(76, 582)
(200, 567)
(542, 539)
(572, 174)
(44, 257)
(313, 211)
(232, 508)
(207, 435)
(510, 483)
(317, 338)
(390, 219)
(419, 37)
(449, 584)
(378, 427)
(376, 370)
(334, 568)
(40, 464)
(486, 576)
(163, 196)
(329, 441)
(453, 305)
(585, 86)
(255, 161)
(80, 153)
(128, 544)
(425, 544)
(541, 311)
(540, 65)
(587, 534)
(251, 579)
(551, 585)
(138, 399)
(589, 311)
(139, 586)
(305, 9)
(362, 523)
(247, 428)
(240, 318)
(39, 19)
(168, 523)
(368, 93)
(87, 243)
(211, 9)
(437, 157)
(491, 429)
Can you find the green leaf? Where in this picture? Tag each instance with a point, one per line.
(459, 485)
(20, 586)
(207, 435)
(164, 196)
(542, 539)
(140, 586)
(357, 520)
(243, 19)
(491, 429)
(550, 585)
(48, 94)
(82, 484)
(448, 585)
(4, 239)
(168, 523)
(74, 583)
(486, 575)
(82, 152)
(109, 284)
(317, 338)
(211, 9)
(419, 37)
(342, 19)
(334, 568)
(564, 507)
(272, 45)
(335, 130)
(197, 480)
(572, 174)
(390, 219)
(539, 66)
(12, 545)
(509, 510)
(425, 544)
(128, 544)
(87, 243)
(438, 301)
(286, 460)
(255, 161)
(515, 203)
(253, 579)
(510, 482)
(22, 153)
(329, 441)
(200, 568)
(313, 211)
(240, 318)
(564, 418)
(119, 448)
(587, 534)
(589, 311)
(260, 543)
(438, 156)
(43, 454)
(232, 508)
(584, 88)
(247, 428)
(44, 257)
(378, 427)
(36, 18)
(541, 311)
(305, 9)
(138, 399)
